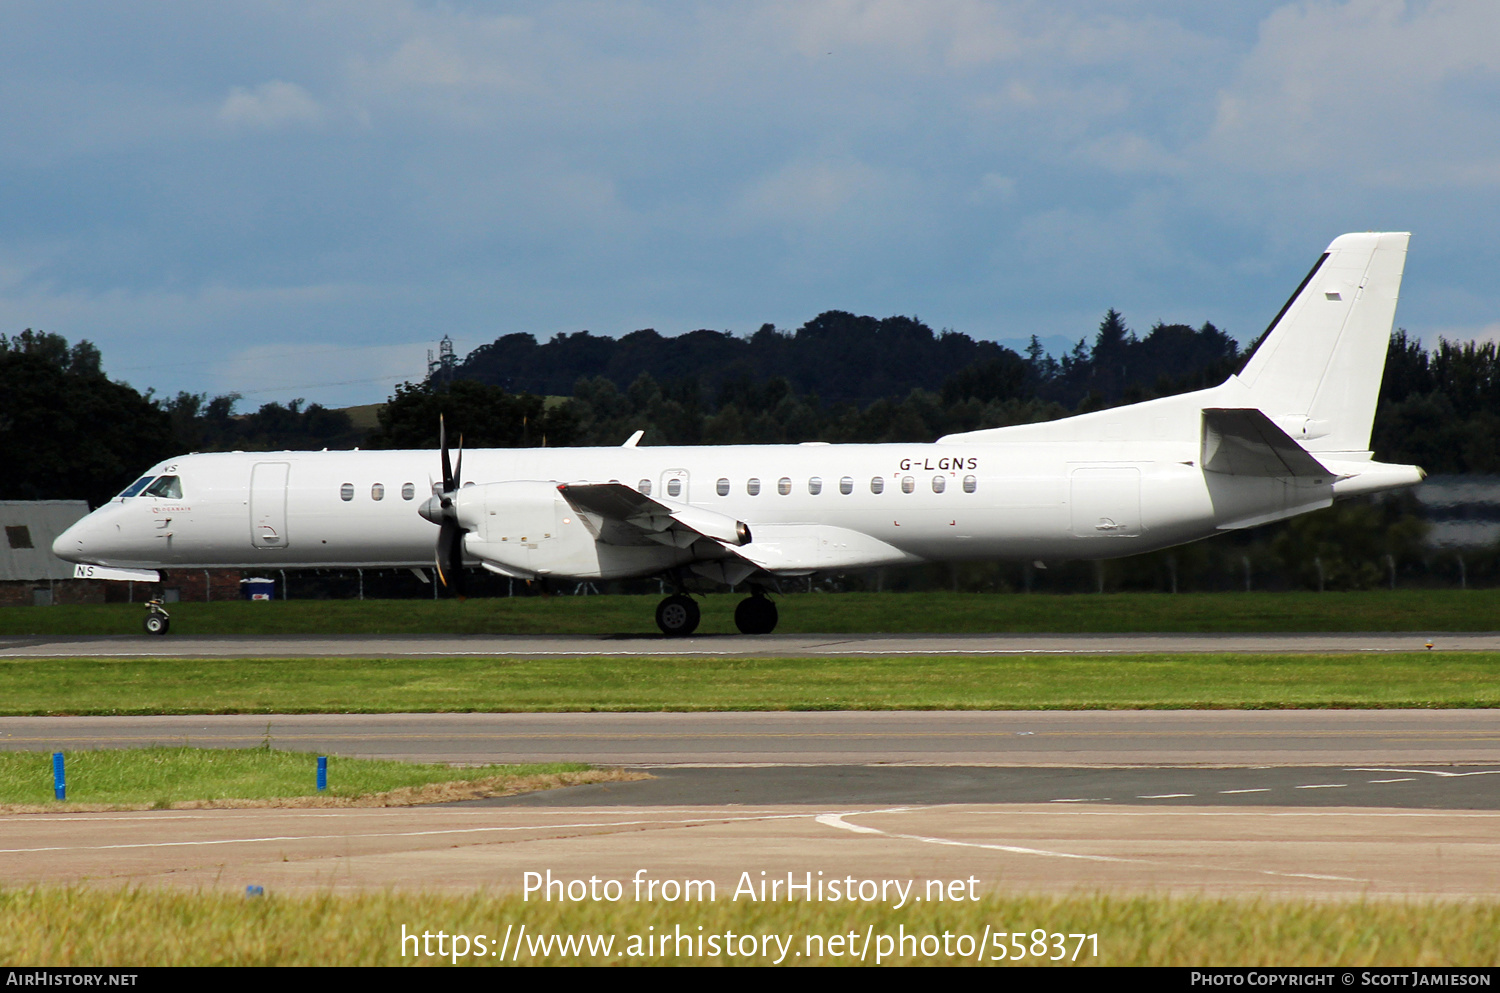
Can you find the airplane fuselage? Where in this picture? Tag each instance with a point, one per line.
(932, 502)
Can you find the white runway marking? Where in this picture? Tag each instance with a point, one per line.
(400, 834)
(837, 821)
(1435, 772)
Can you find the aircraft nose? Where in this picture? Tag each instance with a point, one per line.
(70, 546)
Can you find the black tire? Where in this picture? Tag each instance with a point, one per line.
(755, 615)
(677, 616)
(157, 624)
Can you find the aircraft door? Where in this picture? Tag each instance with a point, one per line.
(674, 485)
(268, 504)
(1106, 502)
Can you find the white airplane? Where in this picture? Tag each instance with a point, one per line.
(1286, 435)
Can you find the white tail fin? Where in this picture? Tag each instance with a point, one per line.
(1317, 372)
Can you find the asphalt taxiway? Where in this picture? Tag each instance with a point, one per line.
(724, 646)
(1043, 738)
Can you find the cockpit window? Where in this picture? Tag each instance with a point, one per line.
(135, 487)
(168, 487)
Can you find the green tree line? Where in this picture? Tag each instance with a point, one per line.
(71, 432)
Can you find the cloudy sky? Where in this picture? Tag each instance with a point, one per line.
(298, 198)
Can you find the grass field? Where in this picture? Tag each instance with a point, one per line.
(166, 777)
(1380, 610)
(86, 927)
(226, 686)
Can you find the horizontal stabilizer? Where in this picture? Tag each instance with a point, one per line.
(1243, 441)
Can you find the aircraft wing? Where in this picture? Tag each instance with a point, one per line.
(721, 546)
(622, 515)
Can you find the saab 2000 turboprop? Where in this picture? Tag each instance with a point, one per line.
(1286, 435)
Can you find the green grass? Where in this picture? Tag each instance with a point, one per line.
(337, 685)
(1382, 610)
(52, 926)
(163, 776)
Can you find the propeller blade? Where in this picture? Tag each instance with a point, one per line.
(458, 470)
(456, 564)
(449, 557)
(448, 484)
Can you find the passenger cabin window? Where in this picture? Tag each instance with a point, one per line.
(346, 492)
(908, 484)
(877, 484)
(784, 485)
(939, 484)
(135, 487)
(970, 484)
(377, 491)
(752, 487)
(674, 487)
(846, 485)
(815, 485)
(167, 487)
(408, 491)
(722, 487)
(644, 486)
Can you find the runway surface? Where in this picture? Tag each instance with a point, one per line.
(970, 738)
(728, 646)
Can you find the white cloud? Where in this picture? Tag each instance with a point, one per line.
(1378, 92)
(808, 192)
(285, 370)
(995, 186)
(1481, 334)
(1127, 152)
(270, 105)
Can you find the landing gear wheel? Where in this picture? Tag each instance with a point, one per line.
(156, 624)
(755, 615)
(677, 616)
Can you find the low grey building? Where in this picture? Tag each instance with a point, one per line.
(29, 573)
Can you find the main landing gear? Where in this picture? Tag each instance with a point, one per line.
(755, 614)
(678, 615)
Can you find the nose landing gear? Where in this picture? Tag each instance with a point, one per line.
(157, 618)
(755, 614)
